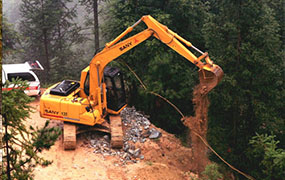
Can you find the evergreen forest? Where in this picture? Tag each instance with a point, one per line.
(246, 38)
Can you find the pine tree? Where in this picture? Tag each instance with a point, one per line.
(161, 69)
(266, 155)
(92, 8)
(11, 39)
(50, 32)
(243, 37)
(22, 145)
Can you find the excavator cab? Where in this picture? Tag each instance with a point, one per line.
(86, 102)
(116, 96)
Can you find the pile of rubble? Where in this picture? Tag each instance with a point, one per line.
(136, 132)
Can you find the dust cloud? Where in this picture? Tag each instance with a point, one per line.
(198, 124)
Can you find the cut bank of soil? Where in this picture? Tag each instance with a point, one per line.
(198, 124)
(164, 159)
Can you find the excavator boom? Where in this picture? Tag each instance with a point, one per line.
(210, 74)
(101, 89)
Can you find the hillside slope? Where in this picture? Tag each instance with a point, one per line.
(161, 158)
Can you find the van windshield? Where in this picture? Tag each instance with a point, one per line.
(22, 76)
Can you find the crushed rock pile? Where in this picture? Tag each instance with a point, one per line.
(137, 130)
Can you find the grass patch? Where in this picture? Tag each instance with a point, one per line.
(149, 163)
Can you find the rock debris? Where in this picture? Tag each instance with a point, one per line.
(136, 132)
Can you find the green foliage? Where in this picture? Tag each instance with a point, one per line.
(211, 172)
(150, 163)
(21, 145)
(270, 159)
(243, 37)
(161, 69)
(11, 39)
(50, 37)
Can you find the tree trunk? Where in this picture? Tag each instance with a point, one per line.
(96, 22)
(46, 54)
(7, 149)
(46, 62)
(61, 62)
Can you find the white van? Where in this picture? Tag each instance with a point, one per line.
(23, 72)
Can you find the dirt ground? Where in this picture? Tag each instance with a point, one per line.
(164, 159)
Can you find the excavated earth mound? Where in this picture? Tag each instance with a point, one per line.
(149, 153)
(198, 126)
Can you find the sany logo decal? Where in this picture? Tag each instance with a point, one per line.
(125, 46)
(136, 41)
(51, 111)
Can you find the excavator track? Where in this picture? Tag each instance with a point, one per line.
(114, 128)
(116, 131)
(69, 136)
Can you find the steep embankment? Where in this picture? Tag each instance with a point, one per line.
(161, 158)
(198, 126)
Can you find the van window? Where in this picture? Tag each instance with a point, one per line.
(3, 77)
(23, 76)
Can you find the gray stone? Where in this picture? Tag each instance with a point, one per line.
(106, 137)
(137, 129)
(126, 147)
(92, 142)
(128, 158)
(125, 155)
(131, 152)
(146, 134)
(137, 152)
(146, 122)
(154, 134)
(146, 127)
(135, 139)
(143, 140)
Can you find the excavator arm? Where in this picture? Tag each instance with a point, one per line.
(86, 102)
(209, 73)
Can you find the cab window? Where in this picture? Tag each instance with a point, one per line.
(108, 82)
(87, 84)
(118, 81)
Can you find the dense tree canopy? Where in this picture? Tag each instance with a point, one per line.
(242, 37)
(11, 38)
(245, 38)
(92, 8)
(50, 33)
(161, 69)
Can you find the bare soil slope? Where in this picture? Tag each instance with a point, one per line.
(164, 158)
(198, 125)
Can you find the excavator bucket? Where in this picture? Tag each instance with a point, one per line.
(210, 77)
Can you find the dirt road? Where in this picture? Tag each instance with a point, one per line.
(164, 159)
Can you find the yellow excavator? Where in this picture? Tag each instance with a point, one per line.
(100, 93)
